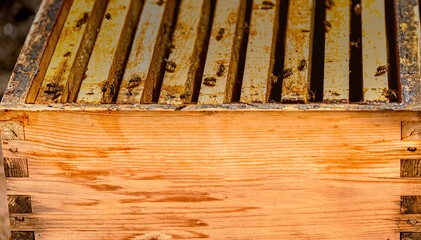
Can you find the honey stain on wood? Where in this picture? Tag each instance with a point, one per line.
(69, 170)
(189, 199)
(104, 187)
(91, 203)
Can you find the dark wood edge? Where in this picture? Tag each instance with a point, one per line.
(28, 64)
(193, 107)
(408, 33)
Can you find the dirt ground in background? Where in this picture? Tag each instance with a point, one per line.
(16, 17)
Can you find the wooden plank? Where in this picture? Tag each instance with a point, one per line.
(143, 72)
(16, 167)
(189, 174)
(298, 45)
(223, 52)
(36, 52)
(337, 52)
(72, 52)
(260, 57)
(410, 236)
(19, 204)
(188, 43)
(105, 65)
(408, 41)
(374, 47)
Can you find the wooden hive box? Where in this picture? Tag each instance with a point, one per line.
(224, 119)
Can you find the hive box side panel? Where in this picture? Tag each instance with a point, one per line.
(217, 175)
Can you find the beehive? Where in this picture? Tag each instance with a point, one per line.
(225, 119)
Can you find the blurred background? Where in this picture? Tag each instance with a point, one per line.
(16, 17)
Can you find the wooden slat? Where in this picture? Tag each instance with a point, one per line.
(224, 46)
(105, 65)
(410, 205)
(188, 43)
(374, 48)
(144, 68)
(72, 52)
(409, 45)
(337, 52)
(16, 167)
(11, 130)
(297, 66)
(258, 70)
(36, 52)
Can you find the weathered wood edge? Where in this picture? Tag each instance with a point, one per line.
(193, 107)
(28, 63)
(408, 44)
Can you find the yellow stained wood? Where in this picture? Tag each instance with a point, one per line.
(142, 74)
(105, 63)
(72, 52)
(188, 42)
(258, 70)
(337, 52)
(223, 52)
(296, 75)
(195, 174)
(375, 64)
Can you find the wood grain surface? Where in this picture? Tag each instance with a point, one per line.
(188, 44)
(374, 47)
(217, 175)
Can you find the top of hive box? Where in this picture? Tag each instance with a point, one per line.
(219, 55)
